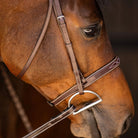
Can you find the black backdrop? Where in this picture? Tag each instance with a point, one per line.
(122, 25)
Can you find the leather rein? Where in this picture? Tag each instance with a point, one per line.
(81, 81)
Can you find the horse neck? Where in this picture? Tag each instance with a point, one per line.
(6, 8)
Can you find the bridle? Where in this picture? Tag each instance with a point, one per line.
(81, 81)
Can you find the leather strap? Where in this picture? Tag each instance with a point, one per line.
(38, 43)
(68, 44)
(51, 123)
(89, 80)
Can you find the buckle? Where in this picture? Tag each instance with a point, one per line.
(87, 106)
(60, 17)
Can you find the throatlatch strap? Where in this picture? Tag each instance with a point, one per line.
(64, 31)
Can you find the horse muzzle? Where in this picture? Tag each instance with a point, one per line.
(96, 123)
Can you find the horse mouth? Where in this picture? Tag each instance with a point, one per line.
(95, 129)
(88, 128)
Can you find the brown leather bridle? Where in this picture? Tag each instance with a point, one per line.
(81, 81)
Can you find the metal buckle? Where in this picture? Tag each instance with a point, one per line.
(60, 17)
(89, 105)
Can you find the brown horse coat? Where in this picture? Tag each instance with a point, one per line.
(51, 71)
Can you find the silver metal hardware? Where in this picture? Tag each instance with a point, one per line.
(89, 105)
(60, 17)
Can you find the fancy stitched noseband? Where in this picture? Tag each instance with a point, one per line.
(81, 81)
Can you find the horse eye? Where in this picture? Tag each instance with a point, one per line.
(91, 31)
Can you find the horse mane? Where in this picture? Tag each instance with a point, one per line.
(102, 3)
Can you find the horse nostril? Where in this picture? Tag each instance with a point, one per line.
(126, 124)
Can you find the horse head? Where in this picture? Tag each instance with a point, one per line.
(51, 71)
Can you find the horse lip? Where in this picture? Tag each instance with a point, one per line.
(90, 121)
(98, 128)
(98, 134)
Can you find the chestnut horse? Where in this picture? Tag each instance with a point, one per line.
(51, 72)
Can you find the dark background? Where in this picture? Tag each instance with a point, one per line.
(122, 25)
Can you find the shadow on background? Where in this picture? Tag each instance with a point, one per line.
(122, 25)
(129, 60)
